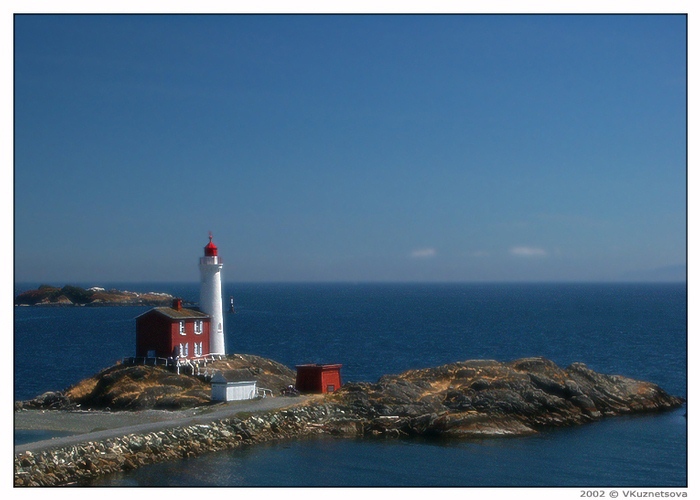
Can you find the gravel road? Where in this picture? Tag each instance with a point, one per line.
(99, 425)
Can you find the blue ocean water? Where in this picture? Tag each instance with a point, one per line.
(637, 330)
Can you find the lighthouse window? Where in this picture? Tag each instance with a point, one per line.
(182, 327)
(198, 327)
(219, 327)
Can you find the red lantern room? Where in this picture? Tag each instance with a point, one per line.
(210, 250)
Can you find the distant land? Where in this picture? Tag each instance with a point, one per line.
(70, 295)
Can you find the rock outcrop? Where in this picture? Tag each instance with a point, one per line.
(489, 398)
(141, 387)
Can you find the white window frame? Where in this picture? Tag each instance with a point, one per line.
(182, 328)
(198, 327)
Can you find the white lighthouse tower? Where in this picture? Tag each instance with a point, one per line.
(210, 296)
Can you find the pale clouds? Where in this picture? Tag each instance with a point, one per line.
(423, 253)
(522, 251)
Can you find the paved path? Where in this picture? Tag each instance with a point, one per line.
(115, 424)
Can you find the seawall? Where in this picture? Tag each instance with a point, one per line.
(82, 463)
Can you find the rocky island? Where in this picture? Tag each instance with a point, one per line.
(477, 398)
(69, 295)
(143, 387)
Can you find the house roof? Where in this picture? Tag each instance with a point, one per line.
(171, 313)
(319, 366)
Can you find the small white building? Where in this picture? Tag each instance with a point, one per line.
(223, 390)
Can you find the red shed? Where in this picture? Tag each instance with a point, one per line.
(318, 378)
(171, 332)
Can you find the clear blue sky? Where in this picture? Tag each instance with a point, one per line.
(350, 148)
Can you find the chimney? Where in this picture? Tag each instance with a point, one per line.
(177, 304)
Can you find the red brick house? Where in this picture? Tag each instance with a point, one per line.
(318, 378)
(172, 332)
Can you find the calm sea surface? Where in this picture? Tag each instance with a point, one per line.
(637, 330)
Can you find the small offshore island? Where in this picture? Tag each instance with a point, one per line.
(70, 295)
(469, 399)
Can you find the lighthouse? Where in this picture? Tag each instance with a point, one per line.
(210, 295)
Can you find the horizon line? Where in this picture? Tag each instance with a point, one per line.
(364, 282)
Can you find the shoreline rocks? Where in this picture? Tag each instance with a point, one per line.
(80, 464)
(469, 399)
(484, 397)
